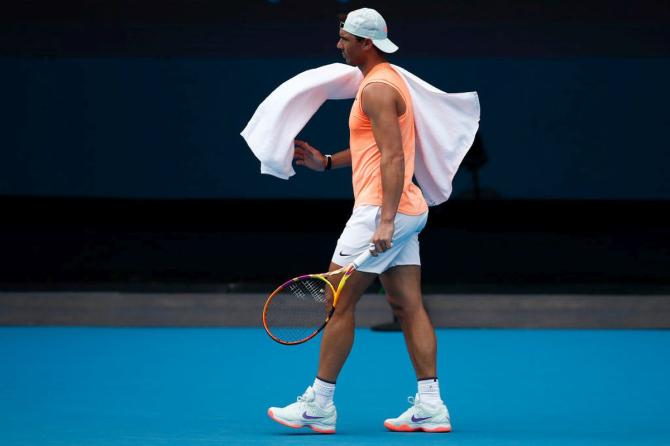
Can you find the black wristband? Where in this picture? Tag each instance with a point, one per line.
(329, 162)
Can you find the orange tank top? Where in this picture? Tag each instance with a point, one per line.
(365, 155)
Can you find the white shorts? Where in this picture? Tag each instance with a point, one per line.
(361, 227)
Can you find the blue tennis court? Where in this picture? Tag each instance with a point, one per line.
(121, 386)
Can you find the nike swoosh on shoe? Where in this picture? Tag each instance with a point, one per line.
(419, 420)
(309, 417)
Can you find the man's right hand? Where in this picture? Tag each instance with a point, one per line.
(308, 156)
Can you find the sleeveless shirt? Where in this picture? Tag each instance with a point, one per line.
(366, 156)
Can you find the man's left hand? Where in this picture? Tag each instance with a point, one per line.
(383, 237)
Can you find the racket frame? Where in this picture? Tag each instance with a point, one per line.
(346, 272)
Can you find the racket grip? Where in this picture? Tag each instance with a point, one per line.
(362, 258)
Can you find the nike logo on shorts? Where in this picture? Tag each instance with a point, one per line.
(345, 255)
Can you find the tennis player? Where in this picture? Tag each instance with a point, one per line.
(389, 211)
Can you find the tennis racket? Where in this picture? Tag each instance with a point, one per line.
(300, 308)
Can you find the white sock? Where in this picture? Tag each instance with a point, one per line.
(429, 391)
(323, 392)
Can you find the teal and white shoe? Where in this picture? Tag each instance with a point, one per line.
(306, 413)
(421, 417)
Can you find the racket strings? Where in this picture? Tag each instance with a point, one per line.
(316, 290)
(299, 309)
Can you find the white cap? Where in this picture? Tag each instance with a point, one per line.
(368, 23)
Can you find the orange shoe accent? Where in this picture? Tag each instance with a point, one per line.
(322, 431)
(298, 426)
(407, 428)
(294, 426)
(401, 428)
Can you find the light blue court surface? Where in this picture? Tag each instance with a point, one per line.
(93, 386)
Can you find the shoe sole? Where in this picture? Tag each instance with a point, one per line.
(408, 428)
(298, 426)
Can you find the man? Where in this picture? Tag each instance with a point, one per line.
(389, 211)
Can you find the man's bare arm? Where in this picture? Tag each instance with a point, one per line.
(342, 159)
(308, 156)
(380, 103)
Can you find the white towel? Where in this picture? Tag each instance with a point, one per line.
(446, 124)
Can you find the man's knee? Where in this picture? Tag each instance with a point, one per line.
(402, 308)
(345, 309)
(346, 305)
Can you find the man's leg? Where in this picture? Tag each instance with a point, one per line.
(338, 336)
(428, 413)
(315, 407)
(403, 289)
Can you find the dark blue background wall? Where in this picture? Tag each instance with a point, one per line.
(594, 128)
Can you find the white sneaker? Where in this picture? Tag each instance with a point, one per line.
(421, 417)
(306, 413)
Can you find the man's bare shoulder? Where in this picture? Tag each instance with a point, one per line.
(379, 96)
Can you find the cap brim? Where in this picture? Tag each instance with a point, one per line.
(385, 45)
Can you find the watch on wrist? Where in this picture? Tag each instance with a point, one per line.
(329, 162)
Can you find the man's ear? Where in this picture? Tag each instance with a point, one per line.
(367, 44)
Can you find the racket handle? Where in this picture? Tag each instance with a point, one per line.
(362, 258)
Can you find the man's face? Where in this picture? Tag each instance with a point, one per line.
(351, 48)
